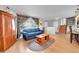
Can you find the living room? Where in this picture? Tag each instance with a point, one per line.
(39, 28)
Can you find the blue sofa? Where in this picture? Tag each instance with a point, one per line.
(31, 33)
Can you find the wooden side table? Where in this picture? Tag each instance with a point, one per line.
(42, 39)
(63, 29)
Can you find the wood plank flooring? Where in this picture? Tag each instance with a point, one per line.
(61, 45)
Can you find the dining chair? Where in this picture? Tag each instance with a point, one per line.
(71, 34)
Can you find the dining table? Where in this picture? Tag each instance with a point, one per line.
(74, 35)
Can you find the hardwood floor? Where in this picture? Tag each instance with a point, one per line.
(62, 44)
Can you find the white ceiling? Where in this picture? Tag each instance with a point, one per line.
(45, 11)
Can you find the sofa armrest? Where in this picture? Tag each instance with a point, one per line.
(25, 35)
(42, 31)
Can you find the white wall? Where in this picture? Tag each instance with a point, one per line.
(54, 24)
(63, 21)
(51, 26)
(50, 30)
(2, 7)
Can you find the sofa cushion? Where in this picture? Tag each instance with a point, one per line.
(37, 29)
(34, 33)
(31, 30)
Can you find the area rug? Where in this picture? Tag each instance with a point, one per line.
(36, 47)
